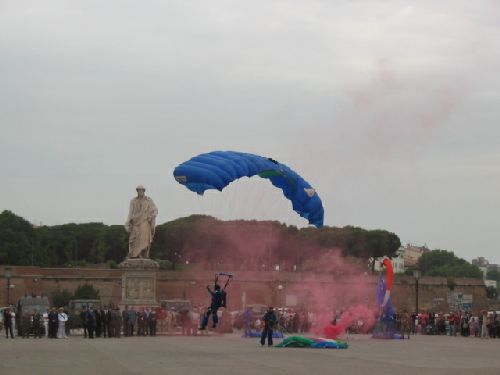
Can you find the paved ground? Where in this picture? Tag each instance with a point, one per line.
(231, 354)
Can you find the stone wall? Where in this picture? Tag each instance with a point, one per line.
(261, 287)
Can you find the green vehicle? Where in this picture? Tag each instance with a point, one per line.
(28, 304)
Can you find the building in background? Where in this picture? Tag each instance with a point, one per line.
(412, 254)
(406, 257)
(484, 265)
(480, 262)
(398, 262)
(488, 283)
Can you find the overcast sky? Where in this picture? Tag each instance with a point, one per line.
(390, 109)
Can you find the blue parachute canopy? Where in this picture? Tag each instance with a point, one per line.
(217, 169)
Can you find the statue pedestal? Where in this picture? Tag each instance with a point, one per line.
(139, 282)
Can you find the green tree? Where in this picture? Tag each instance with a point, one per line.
(16, 240)
(491, 292)
(197, 238)
(446, 263)
(493, 274)
(61, 298)
(86, 291)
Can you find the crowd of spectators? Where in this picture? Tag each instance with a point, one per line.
(108, 321)
(36, 324)
(290, 320)
(459, 323)
(142, 321)
(111, 321)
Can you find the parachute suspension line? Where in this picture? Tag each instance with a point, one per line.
(229, 278)
(251, 202)
(241, 201)
(233, 188)
(203, 204)
(258, 206)
(272, 208)
(247, 192)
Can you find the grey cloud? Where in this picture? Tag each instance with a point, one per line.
(388, 107)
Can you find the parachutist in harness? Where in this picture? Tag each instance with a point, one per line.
(218, 300)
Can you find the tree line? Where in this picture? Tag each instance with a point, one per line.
(193, 239)
(200, 239)
(445, 263)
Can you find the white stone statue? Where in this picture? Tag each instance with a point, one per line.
(141, 224)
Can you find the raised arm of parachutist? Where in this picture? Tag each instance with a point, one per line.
(210, 290)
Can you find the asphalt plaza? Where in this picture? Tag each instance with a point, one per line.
(231, 354)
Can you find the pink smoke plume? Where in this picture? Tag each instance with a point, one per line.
(327, 282)
(388, 112)
(392, 110)
(242, 245)
(359, 315)
(352, 295)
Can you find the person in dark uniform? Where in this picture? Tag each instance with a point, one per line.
(214, 307)
(91, 322)
(26, 325)
(7, 323)
(53, 322)
(132, 318)
(83, 318)
(152, 323)
(106, 320)
(270, 320)
(37, 324)
(115, 323)
(98, 322)
(141, 323)
(125, 321)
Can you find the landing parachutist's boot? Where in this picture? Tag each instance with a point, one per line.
(204, 323)
(215, 319)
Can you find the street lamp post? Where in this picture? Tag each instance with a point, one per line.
(416, 275)
(280, 298)
(8, 275)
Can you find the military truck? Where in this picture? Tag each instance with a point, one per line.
(27, 305)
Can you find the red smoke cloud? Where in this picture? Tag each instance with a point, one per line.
(391, 111)
(353, 315)
(328, 283)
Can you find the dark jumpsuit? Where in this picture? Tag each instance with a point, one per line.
(270, 320)
(214, 306)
